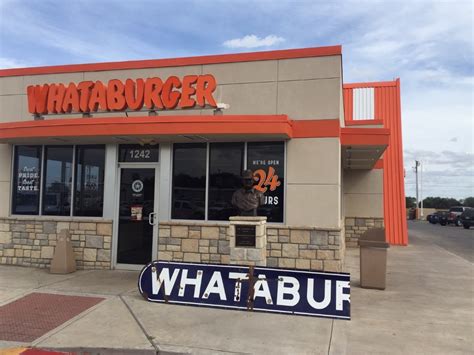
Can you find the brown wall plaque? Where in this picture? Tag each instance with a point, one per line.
(245, 236)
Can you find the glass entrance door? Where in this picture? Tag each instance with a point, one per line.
(136, 215)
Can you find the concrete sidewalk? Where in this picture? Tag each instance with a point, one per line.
(427, 308)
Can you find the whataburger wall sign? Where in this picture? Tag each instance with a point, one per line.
(262, 289)
(152, 93)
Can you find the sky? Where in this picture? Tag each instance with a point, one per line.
(427, 44)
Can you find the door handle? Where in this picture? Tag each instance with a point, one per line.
(151, 218)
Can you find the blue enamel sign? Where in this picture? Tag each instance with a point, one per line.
(299, 292)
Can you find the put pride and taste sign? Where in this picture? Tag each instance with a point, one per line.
(298, 292)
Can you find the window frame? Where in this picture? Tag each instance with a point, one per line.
(42, 177)
(206, 200)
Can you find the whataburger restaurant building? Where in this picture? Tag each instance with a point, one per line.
(139, 160)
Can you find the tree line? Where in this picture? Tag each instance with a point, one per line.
(441, 203)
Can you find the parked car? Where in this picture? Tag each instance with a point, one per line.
(455, 213)
(434, 217)
(467, 218)
(443, 217)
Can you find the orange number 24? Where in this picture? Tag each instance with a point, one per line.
(264, 180)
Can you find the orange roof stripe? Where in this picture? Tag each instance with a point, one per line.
(177, 62)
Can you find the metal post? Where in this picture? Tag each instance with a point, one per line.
(417, 163)
(421, 189)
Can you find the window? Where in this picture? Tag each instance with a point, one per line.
(226, 163)
(189, 181)
(26, 180)
(89, 181)
(267, 161)
(57, 180)
(54, 187)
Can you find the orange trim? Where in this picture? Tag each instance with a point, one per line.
(378, 164)
(178, 62)
(364, 122)
(370, 85)
(315, 128)
(365, 136)
(156, 125)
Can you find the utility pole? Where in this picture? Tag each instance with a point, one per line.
(417, 164)
(421, 190)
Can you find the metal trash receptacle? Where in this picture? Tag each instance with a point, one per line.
(373, 259)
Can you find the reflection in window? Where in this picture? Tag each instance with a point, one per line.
(26, 180)
(225, 169)
(189, 181)
(89, 180)
(267, 161)
(58, 180)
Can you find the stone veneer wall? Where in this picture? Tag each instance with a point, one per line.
(356, 226)
(30, 241)
(287, 247)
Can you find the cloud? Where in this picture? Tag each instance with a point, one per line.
(6, 63)
(253, 41)
(454, 139)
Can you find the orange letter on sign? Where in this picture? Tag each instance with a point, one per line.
(153, 88)
(84, 91)
(170, 98)
(206, 85)
(37, 98)
(56, 97)
(187, 91)
(71, 99)
(98, 97)
(134, 99)
(115, 96)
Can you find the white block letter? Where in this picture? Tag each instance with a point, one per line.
(340, 295)
(216, 285)
(284, 290)
(164, 278)
(261, 289)
(189, 281)
(327, 295)
(239, 276)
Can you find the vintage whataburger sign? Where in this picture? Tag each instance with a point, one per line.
(152, 94)
(264, 289)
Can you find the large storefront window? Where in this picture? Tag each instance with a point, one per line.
(26, 180)
(266, 160)
(54, 186)
(89, 181)
(226, 162)
(57, 181)
(189, 181)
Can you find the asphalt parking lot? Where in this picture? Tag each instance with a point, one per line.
(456, 240)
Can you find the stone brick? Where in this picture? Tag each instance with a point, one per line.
(192, 257)
(275, 253)
(190, 245)
(308, 254)
(94, 241)
(319, 238)
(256, 254)
(360, 222)
(303, 264)
(61, 225)
(283, 239)
(170, 247)
(272, 238)
(284, 232)
(19, 253)
(27, 253)
(178, 254)
(194, 234)
(175, 241)
(223, 247)
(286, 262)
(290, 250)
(179, 231)
(316, 264)
(103, 255)
(166, 256)
(204, 243)
(272, 262)
(204, 250)
(90, 254)
(47, 252)
(238, 254)
(325, 254)
(164, 232)
(35, 254)
(5, 237)
(4, 227)
(87, 226)
(210, 232)
(18, 227)
(332, 265)
(300, 236)
(104, 229)
(276, 246)
(350, 222)
(272, 231)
